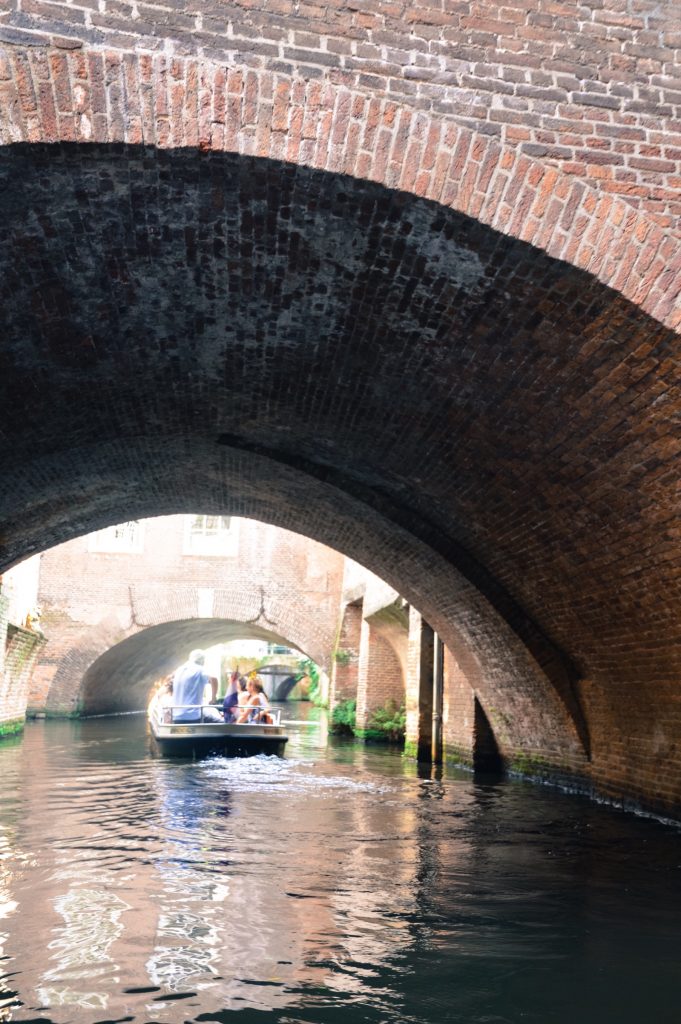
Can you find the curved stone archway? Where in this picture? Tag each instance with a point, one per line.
(346, 123)
(119, 680)
(312, 304)
(252, 581)
(365, 366)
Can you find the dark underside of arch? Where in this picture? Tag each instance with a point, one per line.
(493, 403)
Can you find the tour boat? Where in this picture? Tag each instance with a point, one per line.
(192, 739)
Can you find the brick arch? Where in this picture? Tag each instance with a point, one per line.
(470, 412)
(271, 585)
(119, 678)
(55, 95)
(538, 716)
(501, 469)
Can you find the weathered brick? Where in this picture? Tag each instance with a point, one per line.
(417, 111)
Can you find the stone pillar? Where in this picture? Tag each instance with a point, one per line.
(345, 668)
(419, 738)
(20, 651)
(362, 676)
(380, 679)
(438, 700)
(459, 714)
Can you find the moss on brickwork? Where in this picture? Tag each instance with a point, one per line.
(528, 764)
(458, 756)
(411, 749)
(375, 736)
(537, 769)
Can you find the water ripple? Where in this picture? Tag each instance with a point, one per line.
(324, 887)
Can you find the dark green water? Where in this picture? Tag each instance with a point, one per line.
(332, 885)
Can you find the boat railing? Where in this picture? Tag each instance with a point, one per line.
(167, 714)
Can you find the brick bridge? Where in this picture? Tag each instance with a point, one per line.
(401, 277)
(120, 616)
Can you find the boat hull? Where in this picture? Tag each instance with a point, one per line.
(200, 739)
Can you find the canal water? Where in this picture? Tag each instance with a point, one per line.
(333, 885)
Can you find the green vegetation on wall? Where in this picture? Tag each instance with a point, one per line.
(343, 718)
(11, 727)
(386, 723)
(308, 669)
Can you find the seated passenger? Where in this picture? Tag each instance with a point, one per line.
(255, 709)
(189, 683)
(165, 699)
(236, 695)
(243, 691)
(162, 699)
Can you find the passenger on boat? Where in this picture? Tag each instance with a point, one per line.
(189, 687)
(236, 695)
(165, 699)
(162, 700)
(255, 709)
(243, 691)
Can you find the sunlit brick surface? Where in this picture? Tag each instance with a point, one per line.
(558, 124)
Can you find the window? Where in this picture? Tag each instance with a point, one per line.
(210, 535)
(123, 538)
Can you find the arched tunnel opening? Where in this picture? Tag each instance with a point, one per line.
(484, 425)
(123, 607)
(121, 679)
(485, 428)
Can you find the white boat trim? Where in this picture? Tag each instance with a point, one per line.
(244, 734)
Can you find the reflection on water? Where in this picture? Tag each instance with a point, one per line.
(92, 923)
(334, 884)
(187, 939)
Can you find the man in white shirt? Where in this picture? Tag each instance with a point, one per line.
(189, 686)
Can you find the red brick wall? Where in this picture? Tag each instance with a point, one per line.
(458, 728)
(276, 581)
(497, 441)
(380, 678)
(588, 88)
(345, 669)
(557, 124)
(21, 649)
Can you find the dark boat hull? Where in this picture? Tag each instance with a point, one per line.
(227, 747)
(202, 738)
